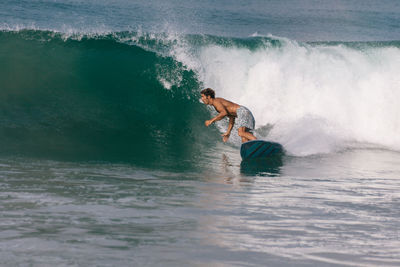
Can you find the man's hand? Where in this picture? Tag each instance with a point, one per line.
(207, 123)
(225, 136)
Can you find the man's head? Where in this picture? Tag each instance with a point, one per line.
(207, 95)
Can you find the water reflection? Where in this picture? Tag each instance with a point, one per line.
(270, 166)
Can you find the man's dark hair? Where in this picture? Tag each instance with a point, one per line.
(208, 92)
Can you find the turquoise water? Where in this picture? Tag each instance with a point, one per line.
(105, 159)
(310, 20)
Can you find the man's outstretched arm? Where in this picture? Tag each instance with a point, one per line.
(230, 126)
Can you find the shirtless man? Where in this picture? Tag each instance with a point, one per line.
(244, 118)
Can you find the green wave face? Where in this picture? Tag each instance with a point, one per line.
(94, 99)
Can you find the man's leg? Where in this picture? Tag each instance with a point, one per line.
(245, 134)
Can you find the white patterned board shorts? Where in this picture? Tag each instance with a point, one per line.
(245, 118)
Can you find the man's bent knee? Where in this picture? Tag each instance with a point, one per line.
(241, 131)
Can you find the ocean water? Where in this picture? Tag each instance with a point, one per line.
(105, 159)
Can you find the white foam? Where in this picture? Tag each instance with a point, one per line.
(319, 98)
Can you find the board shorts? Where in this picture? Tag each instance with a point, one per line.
(245, 118)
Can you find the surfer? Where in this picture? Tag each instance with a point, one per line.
(225, 108)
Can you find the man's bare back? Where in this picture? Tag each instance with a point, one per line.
(226, 108)
(220, 104)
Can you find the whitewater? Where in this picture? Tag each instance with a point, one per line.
(338, 95)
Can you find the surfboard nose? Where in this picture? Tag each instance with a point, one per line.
(260, 149)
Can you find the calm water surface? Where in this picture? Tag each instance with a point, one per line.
(332, 210)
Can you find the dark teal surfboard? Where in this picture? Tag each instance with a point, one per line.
(260, 149)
